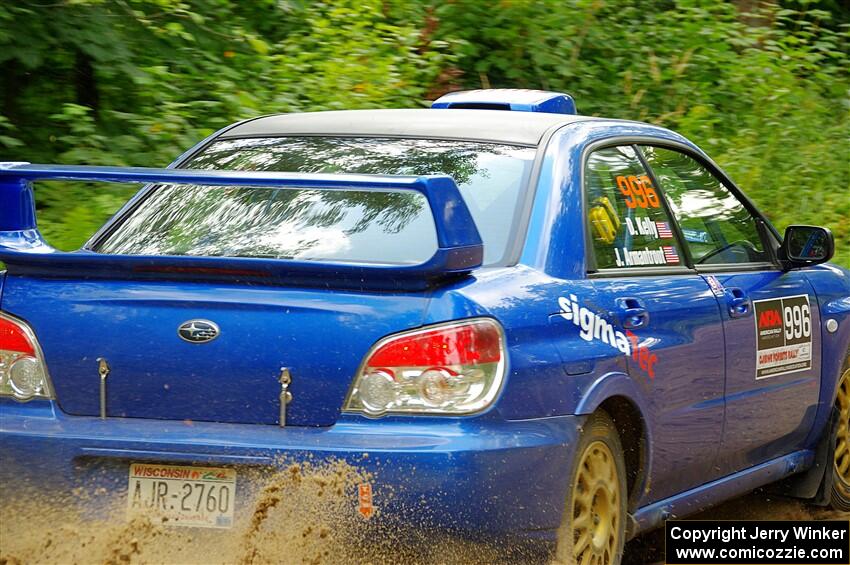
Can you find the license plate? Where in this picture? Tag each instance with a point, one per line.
(201, 497)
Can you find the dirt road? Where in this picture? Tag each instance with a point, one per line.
(757, 506)
(35, 528)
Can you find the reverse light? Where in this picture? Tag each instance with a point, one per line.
(23, 375)
(455, 368)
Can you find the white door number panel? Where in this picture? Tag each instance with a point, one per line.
(783, 335)
(201, 497)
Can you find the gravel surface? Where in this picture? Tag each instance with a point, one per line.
(320, 529)
(757, 506)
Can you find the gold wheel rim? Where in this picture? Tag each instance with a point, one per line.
(842, 440)
(596, 507)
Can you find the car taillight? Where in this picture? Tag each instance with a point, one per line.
(454, 368)
(23, 375)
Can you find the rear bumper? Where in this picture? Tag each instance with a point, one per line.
(475, 477)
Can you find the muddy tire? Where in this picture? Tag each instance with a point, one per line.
(593, 528)
(839, 497)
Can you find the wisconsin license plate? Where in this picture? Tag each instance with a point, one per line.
(201, 497)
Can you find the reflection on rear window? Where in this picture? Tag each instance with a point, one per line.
(282, 223)
(361, 226)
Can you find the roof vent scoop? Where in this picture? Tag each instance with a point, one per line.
(513, 99)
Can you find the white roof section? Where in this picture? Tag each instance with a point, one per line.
(499, 126)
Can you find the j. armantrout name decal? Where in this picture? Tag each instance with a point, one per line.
(594, 327)
(667, 255)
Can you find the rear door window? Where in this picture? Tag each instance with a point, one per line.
(628, 223)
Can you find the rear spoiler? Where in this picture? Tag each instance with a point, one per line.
(25, 252)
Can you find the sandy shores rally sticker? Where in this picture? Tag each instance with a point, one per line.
(783, 336)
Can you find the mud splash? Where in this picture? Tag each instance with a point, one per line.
(303, 513)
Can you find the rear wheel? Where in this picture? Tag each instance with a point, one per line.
(840, 495)
(593, 528)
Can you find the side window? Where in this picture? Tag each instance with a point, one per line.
(718, 229)
(627, 220)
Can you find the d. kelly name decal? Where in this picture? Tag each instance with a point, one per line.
(648, 228)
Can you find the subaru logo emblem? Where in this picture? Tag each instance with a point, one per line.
(198, 331)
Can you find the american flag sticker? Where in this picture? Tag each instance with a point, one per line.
(670, 255)
(664, 231)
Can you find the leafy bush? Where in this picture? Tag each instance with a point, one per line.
(764, 88)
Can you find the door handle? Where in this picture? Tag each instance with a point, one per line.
(738, 302)
(632, 314)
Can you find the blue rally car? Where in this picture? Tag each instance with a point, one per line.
(522, 321)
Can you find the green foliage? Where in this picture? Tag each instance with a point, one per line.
(765, 93)
(762, 87)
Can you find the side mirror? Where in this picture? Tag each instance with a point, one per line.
(804, 246)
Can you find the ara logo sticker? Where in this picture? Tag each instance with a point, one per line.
(594, 327)
(770, 318)
(783, 335)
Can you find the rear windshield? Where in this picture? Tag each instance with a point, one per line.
(363, 226)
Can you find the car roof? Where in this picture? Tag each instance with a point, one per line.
(499, 126)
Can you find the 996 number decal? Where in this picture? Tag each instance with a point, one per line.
(638, 192)
(783, 335)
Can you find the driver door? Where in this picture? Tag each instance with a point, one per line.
(770, 317)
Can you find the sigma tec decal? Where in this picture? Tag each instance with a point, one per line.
(595, 327)
(783, 335)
